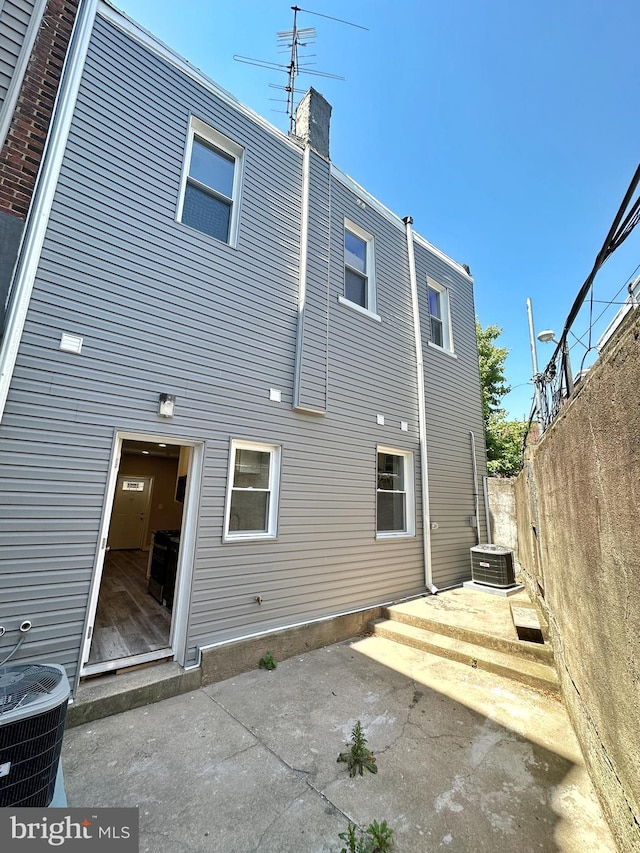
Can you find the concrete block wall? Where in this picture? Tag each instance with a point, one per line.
(502, 509)
(577, 503)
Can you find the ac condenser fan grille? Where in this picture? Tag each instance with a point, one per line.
(20, 684)
(33, 707)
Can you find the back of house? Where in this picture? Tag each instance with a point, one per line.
(238, 394)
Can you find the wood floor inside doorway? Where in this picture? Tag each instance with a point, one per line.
(129, 621)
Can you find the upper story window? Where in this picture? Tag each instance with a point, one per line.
(395, 501)
(440, 316)
(252, 492)
(210, 199)
(359, 269)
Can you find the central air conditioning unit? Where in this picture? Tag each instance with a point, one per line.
(33, 708)
(492, 565)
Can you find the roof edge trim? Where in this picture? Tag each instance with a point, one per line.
(394, 219)
(136, 31)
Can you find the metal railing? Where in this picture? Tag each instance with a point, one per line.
(554, 385)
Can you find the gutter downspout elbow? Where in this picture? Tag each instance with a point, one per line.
(422, 415)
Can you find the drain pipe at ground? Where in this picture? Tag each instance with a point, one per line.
(422, 415)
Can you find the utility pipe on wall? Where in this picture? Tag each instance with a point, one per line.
(476, 501)
(422, 413)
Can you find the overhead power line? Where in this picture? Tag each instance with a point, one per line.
(620, 229)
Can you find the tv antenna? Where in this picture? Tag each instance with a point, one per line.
(292, 40)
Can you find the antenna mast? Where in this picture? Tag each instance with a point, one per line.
(296, 37)
(292, 40)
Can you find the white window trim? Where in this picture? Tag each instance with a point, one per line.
(274, 489)
(446, 352)
(410, 492)
(355, 307)
(232, 149)
(368, 239)
(445, 303)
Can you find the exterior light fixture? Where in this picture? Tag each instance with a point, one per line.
(166, 405)
(548, 336)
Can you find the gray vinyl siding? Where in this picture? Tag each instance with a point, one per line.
(14, 22)
(164, 308)
(453, 409)
(327, 559)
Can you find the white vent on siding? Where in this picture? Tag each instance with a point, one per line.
(71, 343)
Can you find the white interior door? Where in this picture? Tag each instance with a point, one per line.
(130, 515)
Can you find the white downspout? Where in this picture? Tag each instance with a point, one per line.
(422, 412)
(38, 217)
(302, 291)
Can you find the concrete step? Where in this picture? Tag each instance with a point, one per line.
(112, 694)
(428, 619)
(534, 673)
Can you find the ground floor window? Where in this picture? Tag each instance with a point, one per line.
(252, 494)
(395, 504)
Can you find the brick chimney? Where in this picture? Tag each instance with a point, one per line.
(313, 117)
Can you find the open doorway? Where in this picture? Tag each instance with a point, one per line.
(131, 619)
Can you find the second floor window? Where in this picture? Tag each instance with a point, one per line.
(440, 316)
(359, 277)
(355, 270)
(210, 197)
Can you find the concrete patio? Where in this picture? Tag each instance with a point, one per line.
(469, 761)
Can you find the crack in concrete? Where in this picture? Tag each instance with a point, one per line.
(399, 736)
(236, 754)
(275, 818)
(303, 775)
(411, 723)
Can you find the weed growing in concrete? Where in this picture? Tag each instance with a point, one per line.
(358, 758)
(376, 838)
(268, 661)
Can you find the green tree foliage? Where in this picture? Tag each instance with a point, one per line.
(504, 438)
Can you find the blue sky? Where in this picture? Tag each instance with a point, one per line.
(508, 129)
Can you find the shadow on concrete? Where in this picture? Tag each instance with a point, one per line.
(249, 764)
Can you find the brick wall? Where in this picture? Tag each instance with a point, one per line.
(22, 152)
